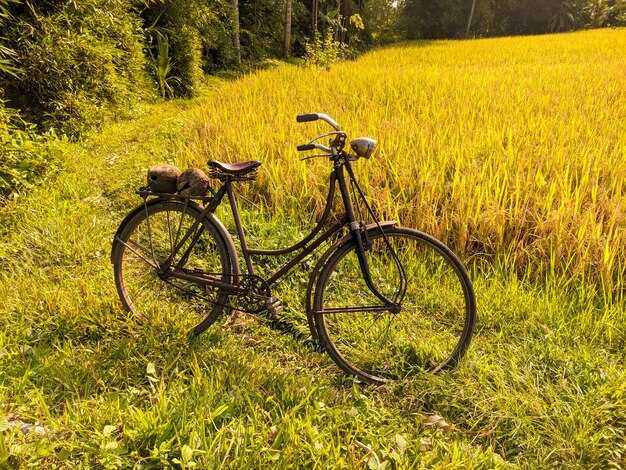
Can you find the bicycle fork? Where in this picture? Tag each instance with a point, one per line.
(355, 230)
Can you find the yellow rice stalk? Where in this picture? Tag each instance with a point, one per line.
(511, 147)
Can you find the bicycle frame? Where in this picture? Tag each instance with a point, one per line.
(308, 244)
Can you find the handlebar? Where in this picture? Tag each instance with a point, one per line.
(363, 147)
(315, 116)
(304, 147)
(308, 117)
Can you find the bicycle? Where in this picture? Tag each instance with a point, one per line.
(384, 301)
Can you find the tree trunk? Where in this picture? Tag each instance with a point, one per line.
(469, 20)
(338, 18)
(314, 14)
(234, 4)
(287, 43)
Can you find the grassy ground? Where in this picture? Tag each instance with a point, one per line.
(543, 384)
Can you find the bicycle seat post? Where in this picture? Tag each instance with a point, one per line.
(240, 233)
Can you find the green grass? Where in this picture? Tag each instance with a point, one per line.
(543, 383)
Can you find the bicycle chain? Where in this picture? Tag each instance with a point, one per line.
(252, 300)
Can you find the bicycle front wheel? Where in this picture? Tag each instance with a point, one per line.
(437, 311)
(146, 242)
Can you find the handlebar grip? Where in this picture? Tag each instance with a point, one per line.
(303, 147)
(307, 117)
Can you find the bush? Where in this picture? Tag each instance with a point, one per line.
(82, 62)
(183, 22)
(187, 64)
(25, 156)
(323, 53)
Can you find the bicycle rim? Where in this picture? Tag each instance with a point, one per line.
(146, 243)
(434, 326)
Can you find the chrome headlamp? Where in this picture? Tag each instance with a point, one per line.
(363, 146)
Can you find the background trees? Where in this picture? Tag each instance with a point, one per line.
(448, 18)
(68, 64)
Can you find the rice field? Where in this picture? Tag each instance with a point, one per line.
(514, 148)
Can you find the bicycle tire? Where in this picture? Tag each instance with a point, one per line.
(430, 333)
(149, 296)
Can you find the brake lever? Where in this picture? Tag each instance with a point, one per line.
(315, 156)
(328, 134)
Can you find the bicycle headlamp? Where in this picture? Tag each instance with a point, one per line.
(363, 146)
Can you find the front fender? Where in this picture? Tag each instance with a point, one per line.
(322, 261)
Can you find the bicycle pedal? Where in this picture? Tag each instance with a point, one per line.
(274, 305)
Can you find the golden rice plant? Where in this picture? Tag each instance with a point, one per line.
(509, 147)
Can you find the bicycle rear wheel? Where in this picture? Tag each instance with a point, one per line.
(437, 316)
(144, 245)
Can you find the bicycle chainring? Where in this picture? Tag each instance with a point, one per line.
(256, 292)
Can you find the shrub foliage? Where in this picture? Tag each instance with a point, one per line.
(25, 155)
(81, 61)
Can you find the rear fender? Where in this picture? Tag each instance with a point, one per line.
(370, 228)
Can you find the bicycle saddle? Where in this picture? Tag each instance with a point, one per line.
(235, 169)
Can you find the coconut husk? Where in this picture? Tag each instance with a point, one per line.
(163, 178)
(193, 182)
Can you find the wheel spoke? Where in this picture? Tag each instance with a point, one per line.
(169, 231)
(139, 255)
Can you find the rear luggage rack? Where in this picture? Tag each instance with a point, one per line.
(146, 193)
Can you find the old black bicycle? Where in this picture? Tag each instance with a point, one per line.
(386, 302)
